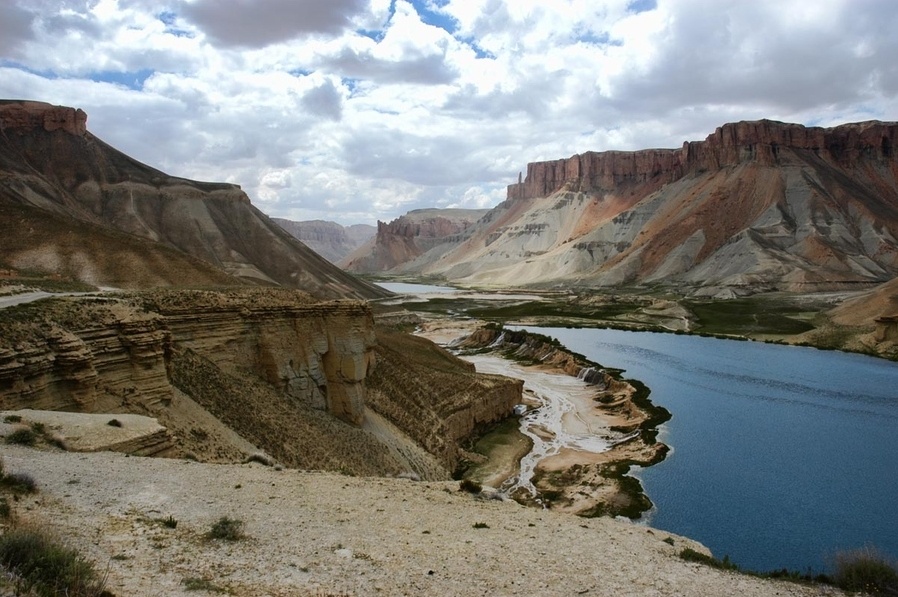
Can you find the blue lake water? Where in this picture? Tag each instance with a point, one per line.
(781, 457)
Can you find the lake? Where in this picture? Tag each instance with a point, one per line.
(781, 456)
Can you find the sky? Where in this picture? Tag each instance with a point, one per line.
(361, 110)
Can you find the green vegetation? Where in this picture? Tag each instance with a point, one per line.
(23, 436)
(18, 483)
(866, 570)
(37, 564)
(193, 583)
(690, 555)
(750, 317)
(227, 529)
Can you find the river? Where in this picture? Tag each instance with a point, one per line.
(781, 456)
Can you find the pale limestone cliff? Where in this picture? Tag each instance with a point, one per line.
(270, 368)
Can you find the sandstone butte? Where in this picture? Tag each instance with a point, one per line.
(756, 206)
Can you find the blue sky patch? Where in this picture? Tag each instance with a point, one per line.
(132, 80)
(432, 17)
(638, 6)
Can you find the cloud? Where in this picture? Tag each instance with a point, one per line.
(15, 29)
(358, 110)
(324, 100)
(253, 24)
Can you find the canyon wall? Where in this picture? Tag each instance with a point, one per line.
(296, 377)
(731, 144)
(104, 355)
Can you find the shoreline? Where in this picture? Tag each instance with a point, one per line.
(582, 459)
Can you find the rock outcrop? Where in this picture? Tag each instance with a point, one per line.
(757, 206)
(276, 369)
(68, 200)
(410, 236)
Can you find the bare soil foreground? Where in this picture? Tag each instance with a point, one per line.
(325, 534)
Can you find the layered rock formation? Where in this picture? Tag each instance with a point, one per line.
(410, 236)
(69, 201)
(329, 239)
(757, 205)
(270, 368)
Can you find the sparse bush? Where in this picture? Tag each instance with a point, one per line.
(481, 525)
(114, 423)
(228, 529)
(193, 583)
(23, 436)
(12, 419)
(5, 509)
(470, 486)
(866, 570)
(38, 564)
(169, 522)
(260, 458)
(690, 555)
(19, 483)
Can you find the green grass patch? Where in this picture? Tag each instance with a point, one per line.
(750, 316)
(866, 570)
(37, 563)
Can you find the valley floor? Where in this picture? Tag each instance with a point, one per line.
(326, 534)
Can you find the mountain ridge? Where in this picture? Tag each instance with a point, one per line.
(49, 161)
(757, 205)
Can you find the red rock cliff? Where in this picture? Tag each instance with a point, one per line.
(730, 144)
(15, 115)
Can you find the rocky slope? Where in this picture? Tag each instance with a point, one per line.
(758, 205)
(410, 236)
(226, 371)
(75, 207)
(329, 239)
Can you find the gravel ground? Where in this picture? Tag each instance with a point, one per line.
(312, 533)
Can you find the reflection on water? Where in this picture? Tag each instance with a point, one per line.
(781, 455)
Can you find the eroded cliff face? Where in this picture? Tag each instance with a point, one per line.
(316, 353)
(410, 236)
(757, 206)
(435, 397)
(731, 144)
(286, 373)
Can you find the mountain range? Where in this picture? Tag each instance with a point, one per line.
(760, 205)
(78, 208)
